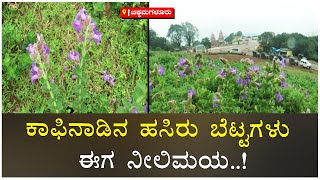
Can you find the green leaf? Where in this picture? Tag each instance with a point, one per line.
(121, 110)
(126, 103)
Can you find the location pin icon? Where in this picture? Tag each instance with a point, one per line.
(124, 11)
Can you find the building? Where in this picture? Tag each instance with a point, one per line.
(219, 42)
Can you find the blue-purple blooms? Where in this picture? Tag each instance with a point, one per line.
(283, 84)
(215, 102)
(233, 71)
(39, 51)
(182, 61)
(244, 82)
(254, 68)
(150, 86)
(199, 65)
(83, 24)
(279, 97)
(146, 107)
(74, 77)
(108, 78)
(74, 56)
(35, 73)
(191, 93)
(222, 73)
(161, 71)
(283, 62)
(134, 110)
(181, 73)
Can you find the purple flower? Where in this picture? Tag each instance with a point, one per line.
(74, 77)
(45, 50)
(34, 72)
(65, 68)
(83, 23)
(150, 86)
(250, 61)
(81, 14)
(182, 62)
(181, 73)
(254, 68)
(239, 80)
(246, 82)
(279, 97)
(73, 66)
(282, 74)
(283, 84)
(30, 49)
(134, 110)
(233, 71)
(77, 25)
(108, 77)
(199, 65)
(74, 56)
(222, 73)
(215, 102)
(161, 71)
(97, 36)
(52, 80)
(146, 108)
(191, 93)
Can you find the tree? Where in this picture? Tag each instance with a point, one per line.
(158, 43)
(239, 33)
(206, 42)
(175, 34)
(190, 32)
(195, 43)
(230, 38)
(265, 41)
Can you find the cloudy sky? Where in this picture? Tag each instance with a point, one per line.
(250, 16)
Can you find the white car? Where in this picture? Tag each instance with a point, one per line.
(305, 63)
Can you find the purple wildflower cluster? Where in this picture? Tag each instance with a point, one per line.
(279, 97)
(35, 73)
(74, 56)
(191, 93)
(283, 80)
(108, 78)
(161, 71)
(215, 102)
(185, 66)
(222, 73)
(86, 27)
(39, 53)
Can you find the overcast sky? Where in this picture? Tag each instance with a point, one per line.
(250, 16)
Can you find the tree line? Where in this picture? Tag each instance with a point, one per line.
(177, 34)
(298, 43)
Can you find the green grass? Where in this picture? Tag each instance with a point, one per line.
(122, 52)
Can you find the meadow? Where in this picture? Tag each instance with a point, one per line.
(181, 83)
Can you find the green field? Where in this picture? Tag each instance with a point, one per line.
(266, 89)
(122, 52)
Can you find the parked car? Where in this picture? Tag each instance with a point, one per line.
(293, 61)
(256, 54)
(265, 55)
(305, 63)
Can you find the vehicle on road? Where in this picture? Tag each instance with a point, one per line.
(265, 55)
(293, 61)
(305, 63)
(256, 54)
